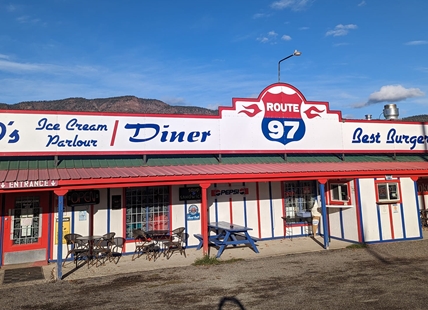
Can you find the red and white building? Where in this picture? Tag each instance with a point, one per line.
(262, 163)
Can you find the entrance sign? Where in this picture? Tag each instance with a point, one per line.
(28, 184)
(279, 120)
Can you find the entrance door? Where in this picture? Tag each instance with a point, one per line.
(299, 198)
(26, 228)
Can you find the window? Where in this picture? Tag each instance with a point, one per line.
(299, 197)
(26, 220)
(387, 192)
(339, 192)
(147, 208)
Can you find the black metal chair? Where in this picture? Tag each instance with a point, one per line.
(143, 245)
(101, 251)
(76, 248)
(177, 243)
(109, 236)
(117, 249)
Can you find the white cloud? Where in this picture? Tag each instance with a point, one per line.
(261, 15)
(341, 44)
(10, 8)
(420, 42)
(393, 93)
(22, 68)
(341, 30)
(362, 3)
(16, 67)
(304, 28)
(27, 20)
(271, 36)
(286, 37)
(294, 5)
(263, 39)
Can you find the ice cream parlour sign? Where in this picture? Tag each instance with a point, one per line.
(280, 119)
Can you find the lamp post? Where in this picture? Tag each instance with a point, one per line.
(296, 53)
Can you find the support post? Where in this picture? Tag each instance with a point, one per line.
(324, 214)
(60, 219)
(204, 218)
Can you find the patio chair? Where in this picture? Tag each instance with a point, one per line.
(76, 248)
(178, 243)
(143, 244)
(101, 251)
(117, 249)
(109, 236)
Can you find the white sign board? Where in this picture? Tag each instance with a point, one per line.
(280, 120)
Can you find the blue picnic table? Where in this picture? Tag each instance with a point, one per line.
(224, 234)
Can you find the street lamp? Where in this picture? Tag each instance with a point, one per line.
(296, 53)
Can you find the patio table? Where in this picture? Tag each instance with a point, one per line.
(158, 237)
(226, 234)
(90, 240)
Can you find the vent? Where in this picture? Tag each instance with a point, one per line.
(390, 111)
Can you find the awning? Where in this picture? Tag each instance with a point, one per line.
(220, 173)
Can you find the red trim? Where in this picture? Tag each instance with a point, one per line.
(91, 220)
(297, 225)
(283, 208)
(258, 210)
(113, 137)
(395, 181)
(124, 213)
(170, 210)
(52, 231)
(42, 243)
(331, 201)
(391, 222)
(357, 211)
(231, 210)
(166, 152)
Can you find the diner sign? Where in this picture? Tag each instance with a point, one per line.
(279, 120)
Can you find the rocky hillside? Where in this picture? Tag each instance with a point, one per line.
(416, 118)
(128, 104)
(125, 104)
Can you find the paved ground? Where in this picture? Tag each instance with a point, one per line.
(382, 276)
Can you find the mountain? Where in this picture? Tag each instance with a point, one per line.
(416, 118)
(124, 104)
(129, 104)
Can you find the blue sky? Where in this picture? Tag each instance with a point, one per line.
(356, 54)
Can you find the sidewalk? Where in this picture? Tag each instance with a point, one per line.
(266, 248)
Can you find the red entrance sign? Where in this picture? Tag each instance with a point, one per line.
(29, 184)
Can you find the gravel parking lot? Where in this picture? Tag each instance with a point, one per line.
(382, 276)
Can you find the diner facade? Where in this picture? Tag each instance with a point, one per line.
(262, 163)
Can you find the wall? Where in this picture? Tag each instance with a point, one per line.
(386, 222)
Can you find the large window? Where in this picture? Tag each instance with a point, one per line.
(299, 197)
(147, 208)
(387, 191)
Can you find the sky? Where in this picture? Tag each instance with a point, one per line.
(358, 55)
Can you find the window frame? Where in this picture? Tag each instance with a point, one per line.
(340, 184)
(389, 199)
